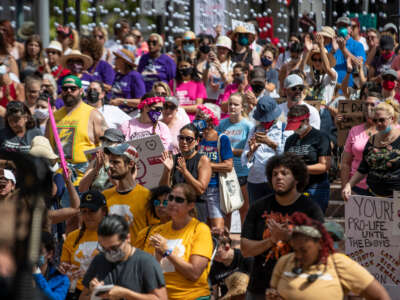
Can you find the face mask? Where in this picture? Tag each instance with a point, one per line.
(41, 261)
(386, 130)
(185, 71)
(257, 88)
(189, 48)
(154, 115)
(388, 85)
(41, 113)
(243, 40)
(268, 125)
(238, 79)
(388, 55)
(54, 168)
(205, 49)
(336, 245)
(92, 96)
(200, 124)
(76, 68)
(302, 129)
(129, 47)
(343, 32)
(266, 62)
(114, 256)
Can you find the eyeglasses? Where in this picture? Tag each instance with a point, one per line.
(187, 139)
(316, 59)
(99, 37)
(169, 106)
(297, 88)
(111, 249)
(137, 36)
(380, 120)
(157, 109)
(154, 43)
(75, 61)
(162, 94)
(67, 88)
(157, 202)
(177, 199)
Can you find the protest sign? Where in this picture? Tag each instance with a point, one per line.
(369, 239)
(249, 26)
(150, 166)
(352, 112)
(207, 15)
(314, 103)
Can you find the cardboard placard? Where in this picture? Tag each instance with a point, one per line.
(314, 103)
(369, 240)
(150, 166)
(249, 26)
(352, 112)
(207, 15)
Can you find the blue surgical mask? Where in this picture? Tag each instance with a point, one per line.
(41, 261)
(343, 32)
(266, 62)
(189, 48)
(243, 40)
(129, 47)
(386, 130)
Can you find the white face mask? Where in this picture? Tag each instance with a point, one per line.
(54, 168)
(302, 129)
(41, 113)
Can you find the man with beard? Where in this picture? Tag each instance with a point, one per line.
(295, 94)
(265, 232)
(79, 126)
(96, 96)
(127, 199)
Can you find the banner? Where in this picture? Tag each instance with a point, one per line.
(352, 112)
(150, 166)
(370, 240)
(249, 26)
(207, 15)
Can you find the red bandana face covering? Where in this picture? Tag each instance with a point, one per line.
(268, 125)
(388, 55)
(388, 85)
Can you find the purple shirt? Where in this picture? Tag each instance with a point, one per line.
(104, 72)
(128, 86)
(161, 69)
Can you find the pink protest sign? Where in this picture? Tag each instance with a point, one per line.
(58, 141)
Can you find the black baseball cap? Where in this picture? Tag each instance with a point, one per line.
(93, 200)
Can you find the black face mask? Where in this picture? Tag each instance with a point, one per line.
(185, 71)
(92, 96)
(238, 79)
(257, 88)
(205, 49)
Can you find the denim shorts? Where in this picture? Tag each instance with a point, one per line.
(212, 197)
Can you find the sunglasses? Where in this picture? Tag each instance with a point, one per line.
(297, 88)
(380, 120)
(137, 36)
(157, 109)
(169, 106)
(316, 59)
(177, 199)
(187, 139)
(152, 42)
(157, 202)
(162, 94)
(67, 88)
(52, 52)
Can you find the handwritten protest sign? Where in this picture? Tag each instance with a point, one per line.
(150, 167)
(249, 26)
(369, 239)
(207, 15)
(315, 103)
(352, 112)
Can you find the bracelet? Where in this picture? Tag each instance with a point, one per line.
(167, 253)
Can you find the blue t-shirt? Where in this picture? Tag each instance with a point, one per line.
(238, 134)
(210, 148)
(355, 48)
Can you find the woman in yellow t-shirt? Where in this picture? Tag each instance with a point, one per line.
(313, 271)
(80, 246)
(183, 246)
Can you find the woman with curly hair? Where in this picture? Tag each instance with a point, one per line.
(33, 59)
(14, 48)
(100, 69)
(6, 58)
(314, 271)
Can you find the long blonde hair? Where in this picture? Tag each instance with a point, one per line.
(391, 107)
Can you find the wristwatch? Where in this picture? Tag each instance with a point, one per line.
(126, 101)
(167, 253)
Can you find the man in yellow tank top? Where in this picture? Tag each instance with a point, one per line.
(128, 199)
(79, 126)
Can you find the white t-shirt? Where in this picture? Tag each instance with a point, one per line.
(315, 120)
(328, 86)
(114, 116)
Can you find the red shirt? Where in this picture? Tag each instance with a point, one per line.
(60, 72)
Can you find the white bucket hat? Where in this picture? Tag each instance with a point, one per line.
(224, 41)
(55, 45)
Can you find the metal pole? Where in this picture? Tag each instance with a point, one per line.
(328, 13)
(65, 13)
(94, 5)
(43, 22)
(78, 15)
(19, 10)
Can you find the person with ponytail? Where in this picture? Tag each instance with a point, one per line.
(80, 246)
(314, 271)
(148, 122)
(381, 157)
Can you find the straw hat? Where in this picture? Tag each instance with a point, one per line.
(55, 45)
(316, 50)
(126, 55)
(76, 54)
(189, 36)
(236, 284)
(327, 32)
(241, 29)
(224, 41)
(41, 148)
(26, 30)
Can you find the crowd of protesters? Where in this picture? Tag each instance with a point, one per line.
(219, 103)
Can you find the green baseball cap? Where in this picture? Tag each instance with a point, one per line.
(72, 79)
